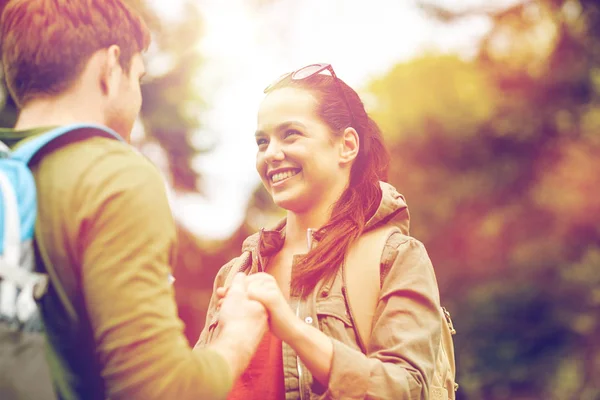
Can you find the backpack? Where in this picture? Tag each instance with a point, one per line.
(366, 251)
(23, 366)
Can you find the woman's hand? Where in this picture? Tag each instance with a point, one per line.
(313, 346)
(263, 288)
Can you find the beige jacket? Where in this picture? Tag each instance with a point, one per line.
(399, 360)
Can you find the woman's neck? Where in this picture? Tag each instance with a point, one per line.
(299, 226)
(314, 218)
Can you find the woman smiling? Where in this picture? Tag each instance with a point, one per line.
(322, 159)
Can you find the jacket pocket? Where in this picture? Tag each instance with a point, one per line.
(334, 307)
(334, 320)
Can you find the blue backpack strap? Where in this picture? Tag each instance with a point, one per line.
(29, 148)
(25, 152)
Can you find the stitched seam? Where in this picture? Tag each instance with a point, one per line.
(390, 252)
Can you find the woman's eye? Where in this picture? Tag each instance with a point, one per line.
(261, 141)
(291, 132)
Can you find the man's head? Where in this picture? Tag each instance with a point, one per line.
(50, 46)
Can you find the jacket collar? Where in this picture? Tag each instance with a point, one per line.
(392, 210)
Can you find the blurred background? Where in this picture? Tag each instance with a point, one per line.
(491, 110)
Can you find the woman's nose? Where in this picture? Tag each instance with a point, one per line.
(274, 152)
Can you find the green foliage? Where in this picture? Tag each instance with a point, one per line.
(414, 95)
(172, 102)
(498, 158)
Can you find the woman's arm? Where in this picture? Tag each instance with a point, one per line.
(404, 342)
(405, 337)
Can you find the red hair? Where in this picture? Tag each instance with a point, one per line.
(46, 43)
(362, 196)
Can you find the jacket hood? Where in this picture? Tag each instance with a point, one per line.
(392, 210)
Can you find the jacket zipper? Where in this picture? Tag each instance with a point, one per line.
(309, 240)
(298, 364)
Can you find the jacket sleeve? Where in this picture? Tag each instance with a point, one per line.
(406, 332)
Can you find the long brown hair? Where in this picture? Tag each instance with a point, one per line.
(362, 196)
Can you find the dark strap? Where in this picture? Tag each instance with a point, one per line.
(31, 150)
(28, 148)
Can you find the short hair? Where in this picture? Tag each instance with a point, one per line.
(46, 44)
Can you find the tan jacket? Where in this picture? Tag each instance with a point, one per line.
(399, 360)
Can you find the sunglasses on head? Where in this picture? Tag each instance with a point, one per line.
(307, 72)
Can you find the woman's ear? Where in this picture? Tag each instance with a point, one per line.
(349, 146)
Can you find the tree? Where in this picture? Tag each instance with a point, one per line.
(498, 159)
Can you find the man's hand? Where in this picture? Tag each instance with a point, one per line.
(283, 322)
(263, 288)
(242, 324)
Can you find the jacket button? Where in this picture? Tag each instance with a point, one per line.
(308, 320)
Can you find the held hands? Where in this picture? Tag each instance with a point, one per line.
(263, 288)
(314, 348)
(242, 324)
(238, 309)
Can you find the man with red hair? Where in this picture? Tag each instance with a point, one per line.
(104, 224)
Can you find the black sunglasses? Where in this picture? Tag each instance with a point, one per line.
(307, 72)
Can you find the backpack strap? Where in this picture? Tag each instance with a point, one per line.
(362, 274)
(11, 236)
(26, 152)
(27, 149)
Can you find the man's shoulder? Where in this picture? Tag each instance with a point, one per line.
(101, 146)
(99, 154)
(92, 175)
(96, 166)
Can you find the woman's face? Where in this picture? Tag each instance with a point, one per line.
(298, 157)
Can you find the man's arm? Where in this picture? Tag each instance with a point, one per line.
(242, 324)
(125, 240)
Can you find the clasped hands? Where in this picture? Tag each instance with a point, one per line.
(257, 298)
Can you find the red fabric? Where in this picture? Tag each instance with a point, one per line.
(263, 379)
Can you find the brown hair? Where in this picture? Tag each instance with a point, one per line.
(363, 194)
(46, 43)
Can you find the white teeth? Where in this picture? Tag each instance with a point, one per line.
(283, 175)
